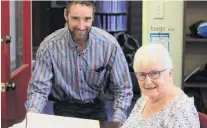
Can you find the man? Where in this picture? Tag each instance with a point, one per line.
(73, 64)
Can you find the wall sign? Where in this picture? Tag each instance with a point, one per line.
(160, 38)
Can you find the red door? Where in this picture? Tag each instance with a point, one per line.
(15, 59)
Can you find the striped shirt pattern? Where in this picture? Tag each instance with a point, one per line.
(61, 70)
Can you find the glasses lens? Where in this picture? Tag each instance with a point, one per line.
(154, 75)
(141, 76)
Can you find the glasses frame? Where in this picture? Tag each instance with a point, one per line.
(137, 73)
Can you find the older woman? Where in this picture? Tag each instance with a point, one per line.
(163, 105)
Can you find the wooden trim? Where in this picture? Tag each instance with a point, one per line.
(5, 47)
(184, 43)
(129, 17)
(5, 53)
(19, 70)
(195, 85)
(189, 38)
(27, 33)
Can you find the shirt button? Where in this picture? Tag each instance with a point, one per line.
(80, 68)
(79, 55)
(81, 81)
(81, 92)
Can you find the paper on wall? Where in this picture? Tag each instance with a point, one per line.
(160, 38)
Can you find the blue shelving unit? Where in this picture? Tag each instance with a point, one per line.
(111, 15)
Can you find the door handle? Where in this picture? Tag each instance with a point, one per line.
(2, 40)
(8, 39)
(7, 86)
(3, 88)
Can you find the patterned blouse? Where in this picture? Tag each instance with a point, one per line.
(179, 113)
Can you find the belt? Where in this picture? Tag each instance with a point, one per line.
(95, 101)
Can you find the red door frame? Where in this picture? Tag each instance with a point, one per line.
(12, 102)
(5, 51)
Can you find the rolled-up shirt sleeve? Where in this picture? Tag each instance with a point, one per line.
(122, 85)
(40, 83)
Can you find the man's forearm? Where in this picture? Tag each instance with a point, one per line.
(35, 104)
(121, 104)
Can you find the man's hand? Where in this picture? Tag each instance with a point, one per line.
(119, 124)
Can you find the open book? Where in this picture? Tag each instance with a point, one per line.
(193, 72)
(36, 120)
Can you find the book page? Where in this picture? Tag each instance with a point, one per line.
(36, 120)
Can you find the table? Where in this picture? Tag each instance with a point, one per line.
(36, 120)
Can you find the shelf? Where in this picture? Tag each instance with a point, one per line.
(113, 31)
(195, 85)
(189, 38)
(111, 13)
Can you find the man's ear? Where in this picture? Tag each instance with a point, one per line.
(66, 14)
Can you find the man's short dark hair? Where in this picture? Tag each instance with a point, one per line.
(87, 3)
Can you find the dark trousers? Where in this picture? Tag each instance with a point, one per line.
(92, 110)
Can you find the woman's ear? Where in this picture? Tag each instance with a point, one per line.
(66, 14)
(171, 75)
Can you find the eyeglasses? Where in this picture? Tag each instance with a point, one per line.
(153, 75)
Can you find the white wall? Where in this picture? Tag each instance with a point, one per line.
(172, 23)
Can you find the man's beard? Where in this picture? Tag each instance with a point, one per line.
(80, 38)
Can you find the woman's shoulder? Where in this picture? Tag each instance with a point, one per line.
(137, 105)
(140, 100)
(183, 101)
(134, 114)
(183, 112)
(184, 106)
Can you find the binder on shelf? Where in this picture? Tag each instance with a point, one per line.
(109, 23)
(104, 22)
(112, 15)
